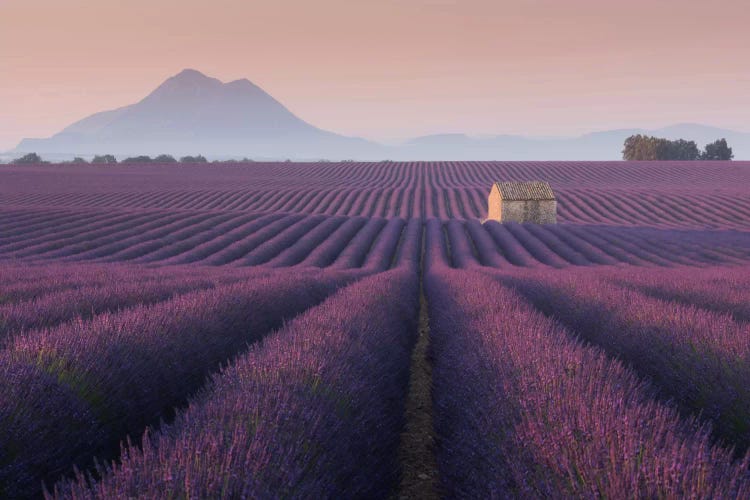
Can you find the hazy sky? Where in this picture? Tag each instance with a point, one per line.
(389, 68)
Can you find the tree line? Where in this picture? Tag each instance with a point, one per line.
(33, 158)
(644, 147)
(637, 148)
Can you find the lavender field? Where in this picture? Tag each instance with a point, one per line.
(355, 330)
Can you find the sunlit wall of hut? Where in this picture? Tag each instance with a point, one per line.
(532, 202)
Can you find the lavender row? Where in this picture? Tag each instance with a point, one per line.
(588, 193)
(121, 245)
(264, 230)
(74, 392)
(36, 289)
(21, 275)
(230, 245)
(722, 291)
(436, 251)
(272, 247)
(488, 252)
(195, 243)
(699, 358)
(509, 246)
(356, 252)
(385, 250)
(279, 240)
(313, 412)
(85, 302)
(295, 249)
(29, 282)
(70, 243)
(324, 254)
(524, 411)
(86, 225)
(408, 253)
(463, 250)
(147, 243)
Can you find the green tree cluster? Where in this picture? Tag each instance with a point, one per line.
(644, 147)
(717, 150)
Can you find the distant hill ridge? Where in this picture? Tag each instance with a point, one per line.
(191, 113)
(605, 145)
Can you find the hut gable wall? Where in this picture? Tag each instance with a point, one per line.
(495, 205)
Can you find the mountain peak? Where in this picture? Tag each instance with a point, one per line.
(190, 71)
(186, 83)
(193, 82)
(191, 77)
(191, 74)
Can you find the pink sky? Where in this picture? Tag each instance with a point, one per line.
(389, 68)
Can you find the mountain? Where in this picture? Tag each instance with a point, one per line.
(606, 145)
(191, 113)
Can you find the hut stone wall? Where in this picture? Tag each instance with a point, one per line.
(536, 211)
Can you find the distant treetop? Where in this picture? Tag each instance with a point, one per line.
(105, 159)
(138, 159)
(193, 159)
(718, 150)
(165, 159)
(28, 159)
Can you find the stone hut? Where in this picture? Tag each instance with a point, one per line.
(522, 202)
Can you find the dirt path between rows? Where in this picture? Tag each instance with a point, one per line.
(419, 470)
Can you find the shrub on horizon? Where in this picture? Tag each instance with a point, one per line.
(193, 159)
(165, 159)
(233, 161)
(138, 159)
(105, 159)
(28, 159)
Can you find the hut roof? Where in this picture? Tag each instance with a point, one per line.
(516, 191)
